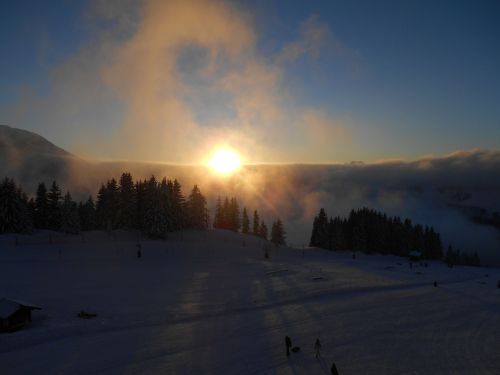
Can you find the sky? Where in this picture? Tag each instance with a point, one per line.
(279, 81)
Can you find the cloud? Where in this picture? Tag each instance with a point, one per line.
(314, 36)
(166, 80)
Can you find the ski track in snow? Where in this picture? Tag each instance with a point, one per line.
(210, 303)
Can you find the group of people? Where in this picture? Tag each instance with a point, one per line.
(317, 350)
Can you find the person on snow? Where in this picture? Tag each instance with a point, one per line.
(288, 343)
(317, 348)
(334, 369)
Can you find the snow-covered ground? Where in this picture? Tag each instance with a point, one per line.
(210, 303)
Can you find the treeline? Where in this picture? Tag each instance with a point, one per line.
(227, 216)
(153, 207)
(371, 231)
(461, 258)
(368, 230)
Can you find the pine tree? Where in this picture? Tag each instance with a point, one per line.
(112, 204)
(178, 206)
(101, 208)
(166, 188)
(197, 212)
(140, 189)
(70, 220)
(41, 207)
(234, 215)
(319, 236)
(87, 214)
(256, 223)
(226, 220)
(219, 214)
(278, 233)
(54, 207)
(127, 203)
(155, 221)
(245, 222)
(263, 230)
(14, 213)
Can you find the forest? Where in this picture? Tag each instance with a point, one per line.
(153, 207)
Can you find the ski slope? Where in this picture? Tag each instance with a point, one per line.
(210, 303)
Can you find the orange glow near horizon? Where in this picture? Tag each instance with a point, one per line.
(224, 161)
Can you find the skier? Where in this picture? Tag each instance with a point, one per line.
(317, 348)
(139, 252)
(435, 284)
(334, 369)
(288, 343)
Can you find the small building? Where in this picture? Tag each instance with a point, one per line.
(15, 315)
(415, 256)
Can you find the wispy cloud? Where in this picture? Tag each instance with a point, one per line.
(133, 90)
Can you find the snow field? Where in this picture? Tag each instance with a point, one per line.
(209, 302)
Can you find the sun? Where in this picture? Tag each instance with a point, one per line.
(224, 161)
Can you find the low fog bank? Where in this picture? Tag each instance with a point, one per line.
(446, 192)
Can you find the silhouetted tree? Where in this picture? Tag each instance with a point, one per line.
(70, 221)
(278, 233)
(245, 222)
(371, 231)
(14, 213)
(87, 214)
(126, 203)
(41, 207)
(256, 223)
(197, 209)
(263, 232)
(54, 207)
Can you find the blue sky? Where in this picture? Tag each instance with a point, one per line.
(403, 78)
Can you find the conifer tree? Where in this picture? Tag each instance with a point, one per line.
(263, 232)
(256, 223)
(41, 207)
(54, 207)
(319, 236)
(127, 203)
(155, 221)
(219, 214)
(140, 189)
(197, 209)
(102, 208)
(234, 215)
(14, 214)
(278, 233)
(226, 220)
(245, 222)
(113, 204)
(166, 188)
(178, 206)
(87, 214)
(70, 221)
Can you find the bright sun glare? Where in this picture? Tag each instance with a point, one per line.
(224, 161)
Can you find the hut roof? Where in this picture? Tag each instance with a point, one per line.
(10, 306)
